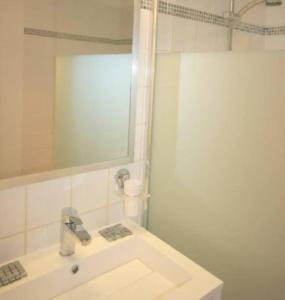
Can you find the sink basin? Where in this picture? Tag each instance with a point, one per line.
(139, 266)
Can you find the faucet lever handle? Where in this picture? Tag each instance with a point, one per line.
(75, 220)
(70, 216)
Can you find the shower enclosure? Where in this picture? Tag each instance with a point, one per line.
(218, 141)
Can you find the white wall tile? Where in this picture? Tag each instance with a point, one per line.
(205, 37)
(205, 5)
(94, 219)
(46, 200)
(219, 7)
(12, 247)
(275, 42)
(12, 211)
(142, 104)
(116, 213)
(165, 25)
(241, 40)
(146, 29)
(144, 71)
(140, 142)
(275, 15)
(90, 191)
(221, 39)
(257, 42)
(43, 237)
(184, 35)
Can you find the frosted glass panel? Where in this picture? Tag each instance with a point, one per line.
(218, 166)
(92, 108)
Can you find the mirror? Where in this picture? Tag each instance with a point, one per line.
(66, 85)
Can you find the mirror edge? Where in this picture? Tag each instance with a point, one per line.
(55, 174)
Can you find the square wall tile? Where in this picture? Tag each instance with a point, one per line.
(144, 71)
(95, 219)
(90, 191)
(12, 211)
(12, 247)
(165, 26)
(137, 171)
(221, 41)
(205, 37)
(241, 41)
(46, 200)
(116, 213)
(43, 237)
(146, 18)
(184, 35)
(275, 42)
(143, 98)
(141, 142)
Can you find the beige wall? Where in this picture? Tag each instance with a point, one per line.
(218, 166)
(11, 91)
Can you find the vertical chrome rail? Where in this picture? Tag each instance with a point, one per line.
(231, 25)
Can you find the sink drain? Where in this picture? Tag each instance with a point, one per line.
(75, 269)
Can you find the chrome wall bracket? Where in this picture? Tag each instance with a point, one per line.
(121, 176)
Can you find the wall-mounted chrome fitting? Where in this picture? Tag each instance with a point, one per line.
(121, 176)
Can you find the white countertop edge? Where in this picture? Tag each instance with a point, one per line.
(199, 286)
(202, 282)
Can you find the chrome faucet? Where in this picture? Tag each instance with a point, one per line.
(71, 229)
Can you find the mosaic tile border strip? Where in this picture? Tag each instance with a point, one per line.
(275, 30)
(75, 37)
(205, 17)
(247, 27)
(147, 4)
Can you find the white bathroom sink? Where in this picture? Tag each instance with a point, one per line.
(139, 267)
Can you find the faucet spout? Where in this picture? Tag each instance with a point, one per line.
(82, 235)
(72, 230)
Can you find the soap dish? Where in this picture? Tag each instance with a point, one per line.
(115, 232)
(11, 272)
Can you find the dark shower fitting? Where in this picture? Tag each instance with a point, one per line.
(233, 16)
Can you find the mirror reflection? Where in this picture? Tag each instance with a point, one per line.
(92, 108)
(66, 96)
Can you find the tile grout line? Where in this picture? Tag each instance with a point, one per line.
(13, 235)
(26, 230)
